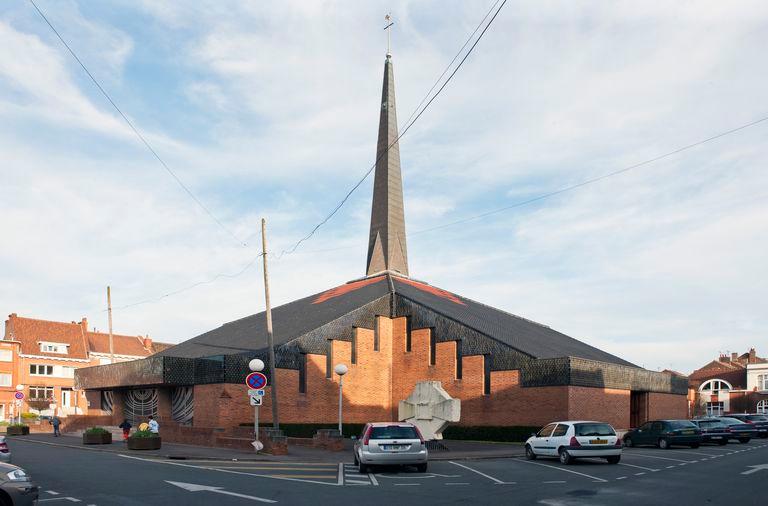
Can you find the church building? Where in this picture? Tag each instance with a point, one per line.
(391, 330)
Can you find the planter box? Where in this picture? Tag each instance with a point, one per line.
(144, 443)
(17, 431)
(97, 439)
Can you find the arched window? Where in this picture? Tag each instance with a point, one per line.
(762, 407)
(714, 386)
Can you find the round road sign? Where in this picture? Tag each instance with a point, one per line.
(256, 380)
(19, 395)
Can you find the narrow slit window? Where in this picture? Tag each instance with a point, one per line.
(353, 357)
(458, 359)
(432, 347)
(328, 359)
(487, 374)
(376, 334)
(303, 373)
(408, 329)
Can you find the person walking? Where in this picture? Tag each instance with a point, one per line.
(56, 423)
(154, 427)
(126, 426)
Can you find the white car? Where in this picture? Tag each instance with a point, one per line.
(574, 439)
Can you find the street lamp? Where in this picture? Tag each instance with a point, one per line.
(341, 370)
(256, 365)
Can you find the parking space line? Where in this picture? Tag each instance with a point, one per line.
(373, 480)
(555, 481)
(341, 472)
(495, 480)
(407, 484)
(561, 469)
(640, 474)
(639, 467)
(655, 457)
(457, 483)
(621, 478)
(698, 454)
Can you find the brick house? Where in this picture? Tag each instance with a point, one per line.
(392, 331)
(43, 356)
(731, 384)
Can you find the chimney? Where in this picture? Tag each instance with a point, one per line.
(724, 358)
(148, 343)
(13, 315)
(84, 324)
(752, 356)
(734, 356)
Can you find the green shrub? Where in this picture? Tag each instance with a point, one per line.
(18, 425)
(307, 430)
(144, 433)
(3, 423)
(515, 433)
(96, 430)
(29, 416)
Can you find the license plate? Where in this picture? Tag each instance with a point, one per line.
(688, 432)
(598, 441)
(717, 437)
(394, 447)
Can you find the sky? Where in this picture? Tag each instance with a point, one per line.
(270, 109)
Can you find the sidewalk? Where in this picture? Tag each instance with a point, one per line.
(457, 450)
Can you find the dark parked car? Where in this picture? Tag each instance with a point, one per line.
(759, 421)
(713, 430)
(664, 433)
(16, 487)
(740, 431)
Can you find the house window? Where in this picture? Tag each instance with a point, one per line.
(67, 372)
(41, 392)
(5, 380)
(714, 408)
(762, 407)
(714, 386)
(6, 355)
(762, 382)
(53, 348)
(40, 370)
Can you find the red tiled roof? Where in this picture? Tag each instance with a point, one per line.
(433, 290)
(30, 332)
(346, 288)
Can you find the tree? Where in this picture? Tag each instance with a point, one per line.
(39, 404)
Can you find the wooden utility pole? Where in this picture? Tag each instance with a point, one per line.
(109, 313)
(270, 338)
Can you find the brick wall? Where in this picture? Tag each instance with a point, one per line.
(379, 379)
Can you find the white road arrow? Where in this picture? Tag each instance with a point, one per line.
(191, 487)
(756, 469)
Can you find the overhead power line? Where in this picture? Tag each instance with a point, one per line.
(405, 130)
(136, 130)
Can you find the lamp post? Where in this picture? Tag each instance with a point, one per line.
(341, 370)
(256, 365)
(19, 388)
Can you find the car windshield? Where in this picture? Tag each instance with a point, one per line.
(681, 424)
(594, 429)
(757, 418)
(394, 432)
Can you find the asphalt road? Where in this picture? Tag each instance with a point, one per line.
(708, 475)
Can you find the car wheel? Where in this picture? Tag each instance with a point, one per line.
(529, 453)
(356, 461)
(695, 445)
(743, 440)
(613, 459)
(362, 468)
(422, 468)
(628, 442)
(565, 457)
(663, 444)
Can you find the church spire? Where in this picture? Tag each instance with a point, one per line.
(386, 244)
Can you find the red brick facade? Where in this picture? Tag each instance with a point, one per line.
(379, 379)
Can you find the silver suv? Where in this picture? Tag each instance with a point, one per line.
(390, 443)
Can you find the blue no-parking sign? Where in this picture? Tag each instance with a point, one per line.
(256, 380)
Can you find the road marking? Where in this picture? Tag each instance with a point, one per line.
(191, 487)
(457, 483)
(270, 468)
(561, 469)
(640, 474)
(70, 499)
(407, 484)
(698, 454)
(670, 467)
(357, 482)
(495, 480)
(341, 474)
(639, 467)
(755, 469)
(373, 480)
(621, 478)
(228, 471)
(655, 457)
(555, 481)
(52, 492)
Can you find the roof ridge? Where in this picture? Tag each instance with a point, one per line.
(47, 321)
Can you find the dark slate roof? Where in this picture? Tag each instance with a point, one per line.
(300, 318)
(529, 337)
